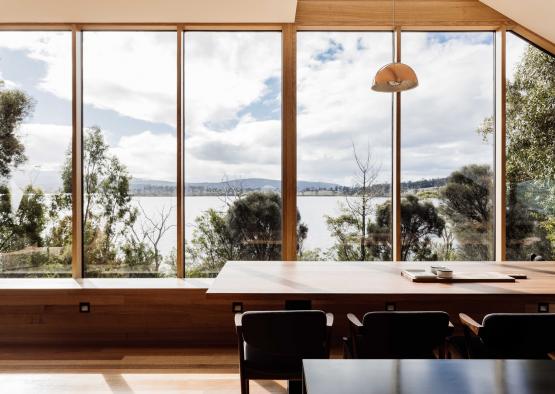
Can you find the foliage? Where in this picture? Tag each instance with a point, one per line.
(15, 106)
(250, 229)
(107, 209)
(530, 156)
(531, 118)
(468, 205)
(24, 226)
(354, 233)
(420, 221)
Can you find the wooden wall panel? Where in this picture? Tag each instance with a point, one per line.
(186, 316)
(408, 13)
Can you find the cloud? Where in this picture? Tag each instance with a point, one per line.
(148, 156)
(439, 118)
(230, 102)
(251, 149)
(132, 73)
(52, 48)
(456, 93)
(45, 145)
(233, 99)
(336, 106)
(227, 71)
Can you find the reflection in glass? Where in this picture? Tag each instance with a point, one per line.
(530, 154)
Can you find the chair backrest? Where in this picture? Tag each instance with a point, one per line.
(284, 337)
(401, 334)
(518, 335)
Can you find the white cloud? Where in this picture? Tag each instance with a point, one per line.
(52, 48)
(45, 145)
(249, 150)
(148, 156)
(224, 73)
(132, 73)
(337, 107)
(442, 115)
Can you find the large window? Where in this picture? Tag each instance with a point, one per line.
(129, 153)
(232, 136)
(35, 153)
(447, 155)
(232, 149)
(344, 147)
(530, 151)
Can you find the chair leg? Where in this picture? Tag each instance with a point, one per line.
(442, 351)
(244, 386)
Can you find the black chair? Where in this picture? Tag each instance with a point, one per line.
(510, 335)
(272, 344)
(398, 335)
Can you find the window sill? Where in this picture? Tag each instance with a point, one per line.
(104, 283)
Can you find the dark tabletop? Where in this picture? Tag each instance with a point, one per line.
(429, 376)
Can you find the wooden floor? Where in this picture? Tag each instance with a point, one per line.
(87, 370)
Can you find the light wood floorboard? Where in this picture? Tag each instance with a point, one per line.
(113, 370)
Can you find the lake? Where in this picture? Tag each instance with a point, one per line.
(312, 210)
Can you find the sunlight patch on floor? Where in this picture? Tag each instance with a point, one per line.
(129, 383)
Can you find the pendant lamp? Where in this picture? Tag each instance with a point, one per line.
(394, 77)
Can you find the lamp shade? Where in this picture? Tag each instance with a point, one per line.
(395, 77)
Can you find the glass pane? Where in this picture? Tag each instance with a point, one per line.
(344, 147)
(447, 205)
(530, 152)
(35, 154)
(129, 158)
(232, 149)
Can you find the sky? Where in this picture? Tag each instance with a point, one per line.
(233, 102)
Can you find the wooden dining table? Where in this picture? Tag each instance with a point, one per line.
(381, 281)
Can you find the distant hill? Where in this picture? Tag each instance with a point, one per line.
(50, 182)
(151, 187)
(147, 187)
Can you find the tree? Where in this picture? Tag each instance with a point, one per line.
(468, 205)
(249, 229)
(361, 206)
(142, 246)
(353, 230)
(419, 222)
(6, 220)
(30, 218)
(15, 106)
(530, 156)
(107, 210)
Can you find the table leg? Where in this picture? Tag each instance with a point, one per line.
(298, 305)
(294, 387)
